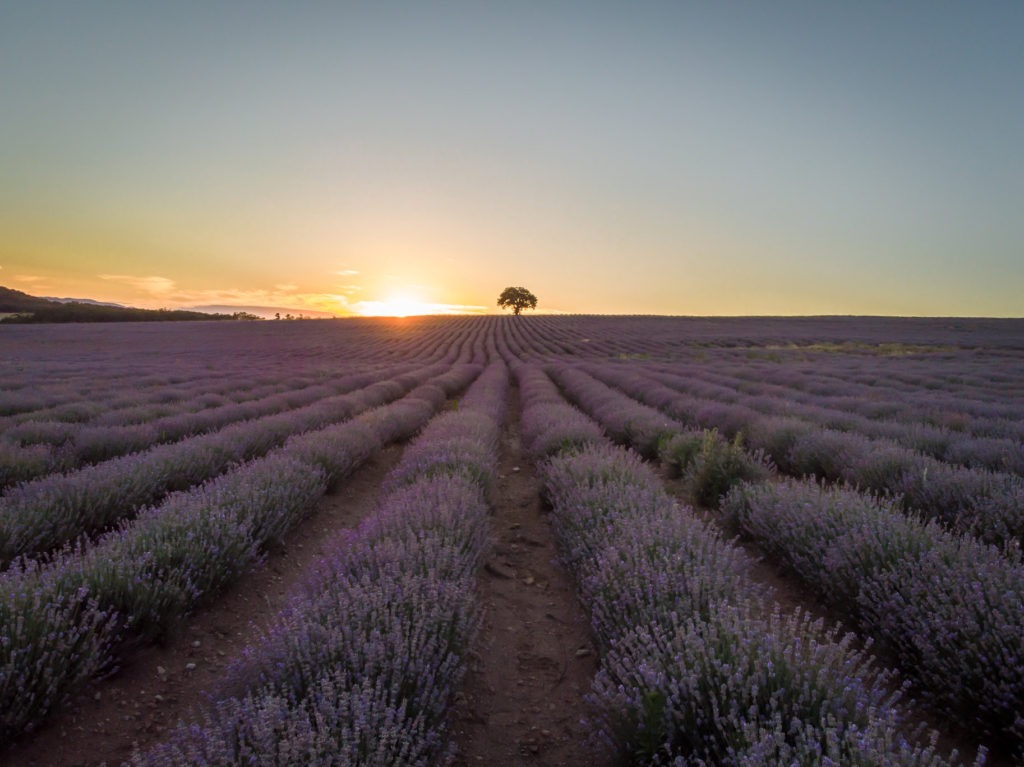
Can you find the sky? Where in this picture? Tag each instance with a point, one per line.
(683, 158)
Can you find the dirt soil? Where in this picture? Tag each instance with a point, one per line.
(159, 686)
(533, 661)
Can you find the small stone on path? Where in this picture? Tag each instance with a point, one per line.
(499, 570)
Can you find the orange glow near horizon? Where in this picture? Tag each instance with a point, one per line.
(405, 305)
(394, 306)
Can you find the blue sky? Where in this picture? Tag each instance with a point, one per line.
(667, 158)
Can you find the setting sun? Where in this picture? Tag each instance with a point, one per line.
(396, 306)
(407, 305)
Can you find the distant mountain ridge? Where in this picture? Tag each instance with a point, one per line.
(83, 301)
(21, 308)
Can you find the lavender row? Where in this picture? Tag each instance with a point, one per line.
(446, 340)
(67, 620)
(708, 464)
(694, 671)
(20, 463)
(999, 453)
(169, 402)
(115, 356)
(45, 513)
(624, 419)
(667, 338)
(951, 608)
(70, 395)
(115, 401)
(882, 394)
(200, 395)
(362, 665)
(91, 444)
(549, 424)
(122, 399)
(37, 358)
(879, 389)
(987, 504)
(941, 392)
(605, 337)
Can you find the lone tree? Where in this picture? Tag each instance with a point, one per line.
(517, 299)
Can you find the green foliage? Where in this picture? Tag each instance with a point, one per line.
(517, 299)
(719, 465)
(51, 641)
(678, 450)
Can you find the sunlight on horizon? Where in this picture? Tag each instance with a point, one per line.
(402, 159)
(403, 305)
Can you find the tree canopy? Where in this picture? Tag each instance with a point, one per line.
(517, 299)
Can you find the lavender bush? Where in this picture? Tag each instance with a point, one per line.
(949, 606)
(737, 688)
(678, 451)
(336, 724)
(50, 641)
(19, 463)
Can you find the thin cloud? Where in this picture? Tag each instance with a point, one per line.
(27, 277)
(335, 304)
(157, 286)
(158, 292)
(347, 272)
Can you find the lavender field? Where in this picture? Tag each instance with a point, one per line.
(791, 541)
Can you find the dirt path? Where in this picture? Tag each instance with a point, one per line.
(522, 700)
(161, 685)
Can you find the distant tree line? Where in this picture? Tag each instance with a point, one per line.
(73, 312)
(20, 308)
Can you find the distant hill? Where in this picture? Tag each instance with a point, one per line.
(82, 301)
(20, 308)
